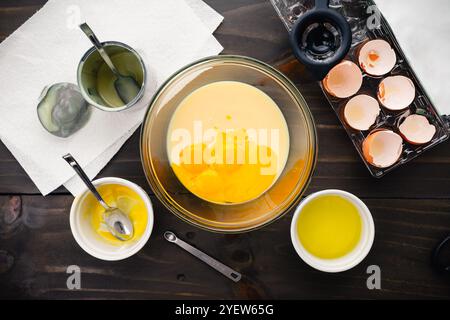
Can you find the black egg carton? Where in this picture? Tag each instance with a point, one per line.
(387, 119)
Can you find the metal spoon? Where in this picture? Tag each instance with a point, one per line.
(117, 222)
(223, 269)
(127, 87)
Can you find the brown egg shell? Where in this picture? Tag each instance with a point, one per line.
(368, 107)
(348, 72)
(417, 130)
(392, 151)
(384, 62)
(396, 93)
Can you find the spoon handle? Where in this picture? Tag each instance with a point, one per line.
(74, 164)
(91, 35)
(223, 269)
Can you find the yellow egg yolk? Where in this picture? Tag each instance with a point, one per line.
(123, 198)
(229, 171)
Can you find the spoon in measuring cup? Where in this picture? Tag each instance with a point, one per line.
(223, 269)
(117, 222)
(127, 87)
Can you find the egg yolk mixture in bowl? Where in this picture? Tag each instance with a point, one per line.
(243, 148)
(228, 144)
(87, 219)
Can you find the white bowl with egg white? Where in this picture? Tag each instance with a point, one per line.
(351, 259)
(89, 240)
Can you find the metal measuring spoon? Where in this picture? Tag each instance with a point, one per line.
(223, 269)
(117, 222)
(127, 87)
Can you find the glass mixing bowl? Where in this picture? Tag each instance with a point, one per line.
(287, 190)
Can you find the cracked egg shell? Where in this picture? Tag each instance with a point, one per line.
(396, 92)
(383, 148)
(361, 112)
(344, 80)
(377, 58)
(416, 129)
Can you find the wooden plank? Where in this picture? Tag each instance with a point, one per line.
(252, 28)
(37, 246)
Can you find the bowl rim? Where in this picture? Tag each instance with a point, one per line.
(344, 263)
(289, 86)
(138, 245)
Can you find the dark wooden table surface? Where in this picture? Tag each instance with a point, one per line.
(411, 209)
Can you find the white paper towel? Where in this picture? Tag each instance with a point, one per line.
(422, 29)
(210, 17)
(46, 50)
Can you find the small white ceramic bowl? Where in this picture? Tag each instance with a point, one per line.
(91, 242)
(351, 259)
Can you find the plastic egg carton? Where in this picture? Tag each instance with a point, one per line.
(387, 119)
